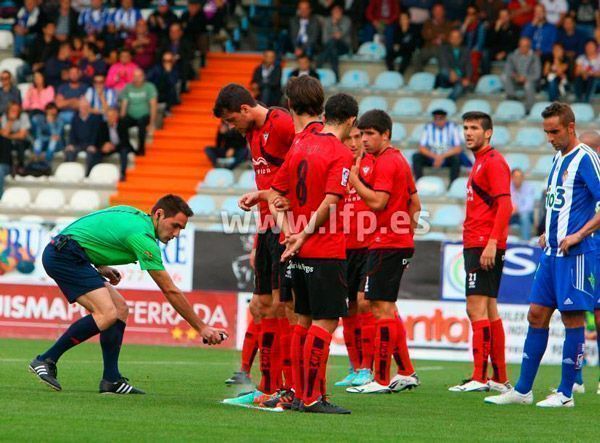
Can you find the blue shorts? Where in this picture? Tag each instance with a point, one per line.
(565, 283)
(67, 263)
(597, 281)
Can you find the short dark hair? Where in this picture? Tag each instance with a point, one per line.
(231, 98)
(375, 119)
(484, 119)
(51, 105)
(172, 205)
(561, 110)
(339, 108)
(306, 95)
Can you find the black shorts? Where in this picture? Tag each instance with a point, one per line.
(267, 269)
(285, 285)
(478, 281)
(385, 268)
(320, 287)
(357, 271)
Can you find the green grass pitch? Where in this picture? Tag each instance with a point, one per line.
(185, 385)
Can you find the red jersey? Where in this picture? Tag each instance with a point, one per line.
(354, 205)
(392, 175)
(310, 128)
(269, 145)
(489, 179)
(317, 165)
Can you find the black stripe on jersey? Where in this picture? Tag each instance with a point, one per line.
(487, 198)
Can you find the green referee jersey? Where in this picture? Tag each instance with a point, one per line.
(116, 236)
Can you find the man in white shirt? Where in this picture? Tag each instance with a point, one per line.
(523, 199)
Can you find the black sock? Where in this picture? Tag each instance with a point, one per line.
(111, 340)
(78, 332)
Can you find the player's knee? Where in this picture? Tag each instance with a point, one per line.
(364, 306)
(535, 318)
(352, 308)
(123, 312)
(106, 317)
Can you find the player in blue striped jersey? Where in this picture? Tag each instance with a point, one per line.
(566, 275)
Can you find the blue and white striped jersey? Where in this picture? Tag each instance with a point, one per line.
(573, 191)
(126, 19)
(93, 21)
(440, 140)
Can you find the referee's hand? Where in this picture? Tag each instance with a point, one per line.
(213, 336)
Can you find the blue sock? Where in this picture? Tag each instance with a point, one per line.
(572, 359)
(533, 351)
(579, 377)
(78, 332)
(111, 340)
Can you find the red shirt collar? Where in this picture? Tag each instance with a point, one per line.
(483, 151)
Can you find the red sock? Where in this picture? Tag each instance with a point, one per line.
(385, 342)
(298, 340)
(481, 349)
(285, 345)
(316, 352)
(497, 351)
(250, 346)
(367, 332)
(358, 340)
(401, 354)
(350, 340)
(269, 366)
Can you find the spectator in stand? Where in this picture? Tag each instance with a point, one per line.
(266, 80)
(142, 45)
(138, 108)
(68, 95)
(56, 67)
(14, 133)
(99, 96)
(94, 19)
(382, 19)
(83, 133)
(215, 12)
(556, 11)
(92, 63)
(121, 73)
(125, 18)
(9, 93)
(502, 38)
(435, 34)
(113, 138)
(490, 9)
(355, 10)
(166, 79)
(455, 66)
(585, 12)
(406, 41)
(419, 11)
(556, 73)
(28, 23)
(49, 134)
(440, 146)
(37, 97)
(195, 31)
(523, 68)
(587, 72)
(161, 20)
(521, 11)
(523, 197)
(572, 39)
(66, 19)
(473, 30)
(304, 68)
(455, 9)
(336, 39)
(76, 50)
(541, 33)
(304, 30)
(183, 52)
(231, 148)
(39, 51)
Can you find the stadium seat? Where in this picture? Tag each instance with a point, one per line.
(31, 218)
(398, 133)
(15, 197)
(520, 161)
(388, 81)
(354, 79)
(11, 64)
(434, 236)
(6, 39)
(476, 104)
(218, 178)
(327, 77)
(230, 206)
(584, 113)
(85, 200)
(415, 135)
(431, 186)
(104, 173)
(535, 115)
(489, 85)
(371, 51)
(448, 216)
(421, 82)
(285, 75)
(64, 221)
(510, 110)
(146, 12)
(68, 172)
(4, 219)
(529, 138)
(458, 188)
(372, 102)
(408, 155)
(23, 87)
(202, 205)
(441, 103)
(50, 199)
(500, 136)
(246, 180)
(543, 165)
(407, 107)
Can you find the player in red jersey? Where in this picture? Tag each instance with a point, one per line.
(392, 195)
(485, 231)
(269, 133)
(359, 324)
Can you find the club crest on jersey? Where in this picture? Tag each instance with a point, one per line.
(345, 176)
(565, 175)
(478, 169)
(366, 169)
(259, 161)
